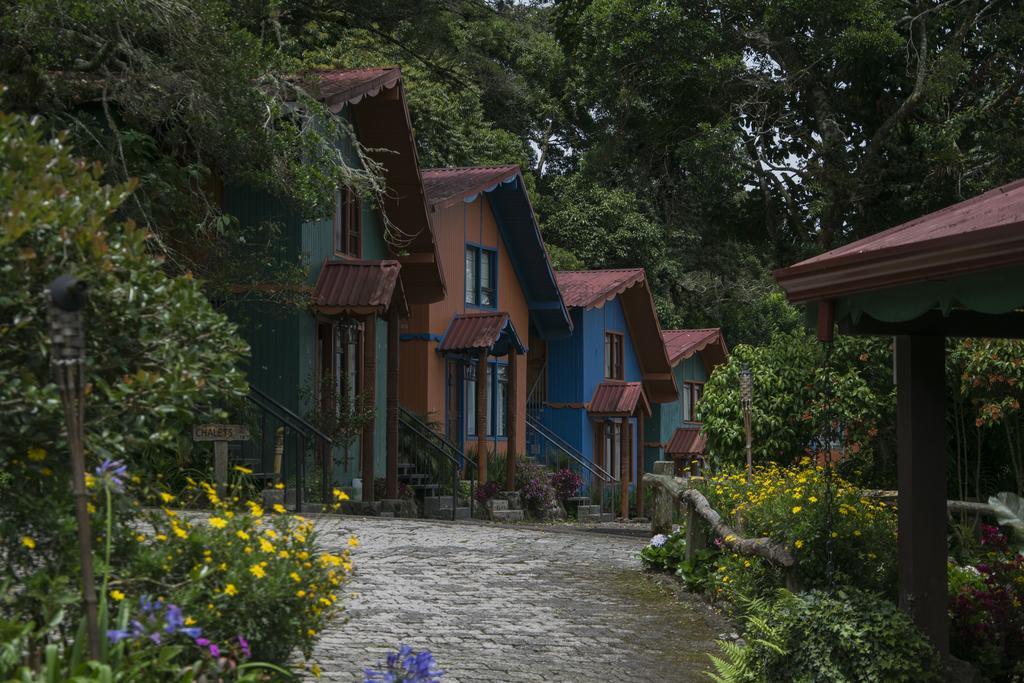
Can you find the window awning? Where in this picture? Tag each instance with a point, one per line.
(358, 287)
(621, 399)
(492, 332)
(687, 441)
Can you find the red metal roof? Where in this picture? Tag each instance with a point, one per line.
(475, 331)
(687, 441)
(356, 286)
(444, 185)
(682, 344)
(349, 86)
(618, 398)
(592, 288)
(977, 234)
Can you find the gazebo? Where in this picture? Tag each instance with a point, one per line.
(957, 272)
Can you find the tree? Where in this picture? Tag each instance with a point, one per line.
(158, 357)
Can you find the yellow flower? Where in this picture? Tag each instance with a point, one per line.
(796, 509)
(166, 497)
(140, 537)
(117, 595)
(230, 588)
(340, 495)
(247, 549)
(310, 632)
(179, 532)
(316, 670)
(161, 537)
(266, 546)
(295, 577)
(279, 509)
(28, 542)
(46, 472)
(300, 593)
(217, 523)
(189, 621)
(283, 554)
(271, 533)
(242, 535)
(90, 508)
(36, 454)
(279, 486)
(812, 499)
(243, 470)
(353, 542)
(856, 532)
(257, 571)
(799, 544)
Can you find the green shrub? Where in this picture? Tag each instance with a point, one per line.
(664, 551)
(819, 638)
(249, 572)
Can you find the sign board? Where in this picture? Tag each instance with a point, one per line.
(218, 432)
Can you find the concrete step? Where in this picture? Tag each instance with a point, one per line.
(413, 479)
(508, 515)
(387, 514)
(446, 513)
(434, 504)
(497, 505)
(512, 497)
(578, 500)
(428, 490)
(406, 468)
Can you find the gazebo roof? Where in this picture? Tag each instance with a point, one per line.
(956, 271)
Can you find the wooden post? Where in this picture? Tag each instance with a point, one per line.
(220, 467)
(512, 449)
(392, 399)
(921, 472)
(481, 418)
(625, 446)
(369, 382)
(694, 535)
(641, 462)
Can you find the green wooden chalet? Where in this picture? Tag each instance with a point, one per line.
(338, 351)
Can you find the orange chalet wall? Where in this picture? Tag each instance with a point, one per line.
(422, 377)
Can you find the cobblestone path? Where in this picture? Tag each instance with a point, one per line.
(500, 603)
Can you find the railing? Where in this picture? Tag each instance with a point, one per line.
(591, 473)
(435, 455)
(537, 394)
(302, 431)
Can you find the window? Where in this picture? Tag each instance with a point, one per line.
(339, 349)
(347, 223)
(613, 355)
(496, 399)
(481, 276)
(689, 396)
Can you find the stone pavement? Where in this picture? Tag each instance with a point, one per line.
(500, 603)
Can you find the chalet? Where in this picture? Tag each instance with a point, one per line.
(462, 356)
(674, 432)
(592, 391)
(366, 265)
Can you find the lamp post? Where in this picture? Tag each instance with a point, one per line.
(67, 296)
(746, 401)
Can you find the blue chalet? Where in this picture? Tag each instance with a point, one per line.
(674, 432)
(592, 391)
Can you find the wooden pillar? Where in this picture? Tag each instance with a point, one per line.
(624, 451)
(641, 459)
(512, 449)
(921, 472)
(392, 399)
(369, 382)
(481, 418)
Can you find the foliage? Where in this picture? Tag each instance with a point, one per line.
(664, 551)
(1009, 511)
(798, 400)
(406, 665)
(158, 359)
(487, 491)
(788, 505)
(246, 571)
(852, 635)
(985, 597)
(534, 485)
(566, 483)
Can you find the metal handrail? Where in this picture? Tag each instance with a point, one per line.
(446, 448)
(302, 428)
(569, 450)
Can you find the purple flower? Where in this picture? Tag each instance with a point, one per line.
(406, 666)
(244, 644)
(117, 635)
(214, 650)
(112, 473)
(202, 642)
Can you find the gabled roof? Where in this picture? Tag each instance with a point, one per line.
(356, 286)
(510, 203)
(380, 117)
(493, 332)
(619, 398)
(978, 234)
(709, 342)
(687, 441)
(593, 288)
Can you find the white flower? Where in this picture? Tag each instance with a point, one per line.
(658, 540)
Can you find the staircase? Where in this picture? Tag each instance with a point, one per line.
(431, 466)
(586, 511)
(506, 507)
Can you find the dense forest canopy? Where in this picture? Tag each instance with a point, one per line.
(708, 141)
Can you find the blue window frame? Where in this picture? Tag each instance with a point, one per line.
(481, 276)
(496, 392)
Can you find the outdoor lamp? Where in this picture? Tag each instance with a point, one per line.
(67, 297)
